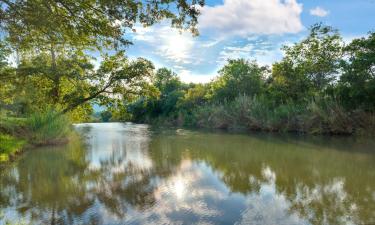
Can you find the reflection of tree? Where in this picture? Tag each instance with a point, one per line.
(49, 182)
(61, 185)
(130, 187)
(57, 186)
(344, 189)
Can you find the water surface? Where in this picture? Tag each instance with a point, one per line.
(133, 174)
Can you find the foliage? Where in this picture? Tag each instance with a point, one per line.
(12, 125)
(51, 40)
(309, 66)
(238, 77)
(320, 86)
(323, 116)
(9, 146)
(105, 116)
(48, 127)
(357, 84)
(194, 96)
(46, 24)
(318, 56)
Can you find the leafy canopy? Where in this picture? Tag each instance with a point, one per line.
(35, 23)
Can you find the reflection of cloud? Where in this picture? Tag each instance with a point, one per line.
(269, 174)
(194, 193)
(332, 196)
(181, 197)
(268, 206)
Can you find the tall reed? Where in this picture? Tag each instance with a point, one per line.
(48, 127)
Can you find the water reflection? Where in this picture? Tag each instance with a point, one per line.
(127, 174)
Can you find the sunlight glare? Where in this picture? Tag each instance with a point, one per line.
(179, 187)
(177, 46)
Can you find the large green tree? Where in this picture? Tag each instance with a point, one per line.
(116, 77)
(56, 28)
(357, 83)
(309, 66)
(238, 77)
(47, 23)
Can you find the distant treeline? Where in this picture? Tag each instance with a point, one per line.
(321, 85)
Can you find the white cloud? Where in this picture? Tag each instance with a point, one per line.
(318, 11)
(265, 52)
(350, 37)
(245, 17)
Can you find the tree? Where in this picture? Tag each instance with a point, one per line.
(79, 83)
(171, 90)
(357, 84)
(105, 116)
(166, 81)
(116, 76)
(5, 71)
(38, 27)
(308, 67)
(288, 83)
(194, 96)
(48, 23)
(238, 77)
(317, 57)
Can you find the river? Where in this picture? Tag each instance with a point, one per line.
(123, 173)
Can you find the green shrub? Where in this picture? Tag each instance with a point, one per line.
(12, 125)
(317, 116)
(9, 145)
(258, 113)
(48, 127)
(328, 116)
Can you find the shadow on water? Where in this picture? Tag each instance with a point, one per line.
(133, 174)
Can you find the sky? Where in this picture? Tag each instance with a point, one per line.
(250, 29)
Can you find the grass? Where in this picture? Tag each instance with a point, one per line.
(38, 129)
(47, 128)
(9, 146)
(319, 116)
(12, 125)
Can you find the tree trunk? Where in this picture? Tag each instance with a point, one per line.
(55, 92)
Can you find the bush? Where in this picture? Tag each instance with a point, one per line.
(9, 146)
(327, 116)
(49, 127)
(257, 113)
(12, 125)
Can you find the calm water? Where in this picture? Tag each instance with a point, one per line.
(132, 174)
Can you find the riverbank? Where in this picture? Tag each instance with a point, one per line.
(252, 114)
(10, 146)
(12, 137)
(18, 134)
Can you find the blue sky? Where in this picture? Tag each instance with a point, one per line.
(251, 29)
